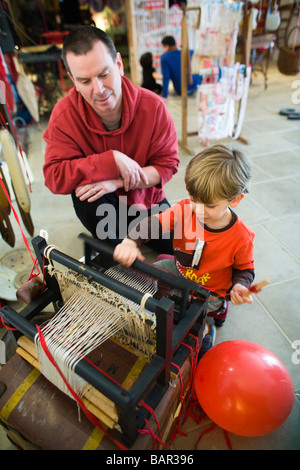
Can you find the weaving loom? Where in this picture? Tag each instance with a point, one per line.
(144, 310)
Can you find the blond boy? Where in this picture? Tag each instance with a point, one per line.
(212, 245)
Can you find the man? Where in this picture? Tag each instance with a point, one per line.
(110, 144)
(171, 68)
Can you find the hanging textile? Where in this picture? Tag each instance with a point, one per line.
(216, 36)
(222, 97)
(154, 20)
(150, 24)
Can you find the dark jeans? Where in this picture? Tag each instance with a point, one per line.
(108, 219)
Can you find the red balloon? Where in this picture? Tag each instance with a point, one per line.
(244, 388)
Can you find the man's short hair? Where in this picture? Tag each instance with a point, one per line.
(82, 39)
(217, 173)
(168, 41)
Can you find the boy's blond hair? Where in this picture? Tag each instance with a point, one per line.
(217, 173)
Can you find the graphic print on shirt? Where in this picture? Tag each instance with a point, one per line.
(191, 261)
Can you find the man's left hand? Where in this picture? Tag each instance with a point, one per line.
(94, 191)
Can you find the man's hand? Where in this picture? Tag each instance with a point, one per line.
(130, 171)
(94, 191)
(127, 252)
(237, 295)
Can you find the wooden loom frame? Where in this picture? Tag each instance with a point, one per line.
(153, 381)
(185, 75)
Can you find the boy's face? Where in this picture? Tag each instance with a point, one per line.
(213, 214)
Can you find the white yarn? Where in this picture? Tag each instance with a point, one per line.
(138, 333)
(47, 251)
(79, 327)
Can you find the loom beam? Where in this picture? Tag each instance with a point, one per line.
(93, 275)
(168, 278)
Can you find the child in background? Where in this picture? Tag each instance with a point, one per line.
(212, 245)
(170, 62)
(149, 74)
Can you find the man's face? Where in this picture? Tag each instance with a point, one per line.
(98, 79)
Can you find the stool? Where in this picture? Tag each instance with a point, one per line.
(262, 45)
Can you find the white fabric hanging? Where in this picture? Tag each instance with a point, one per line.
(221, 92)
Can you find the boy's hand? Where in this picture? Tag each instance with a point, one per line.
(127, 252)
(237, 295)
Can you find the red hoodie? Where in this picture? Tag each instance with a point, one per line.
(79, 148)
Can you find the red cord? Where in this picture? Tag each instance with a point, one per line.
(89, 415)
